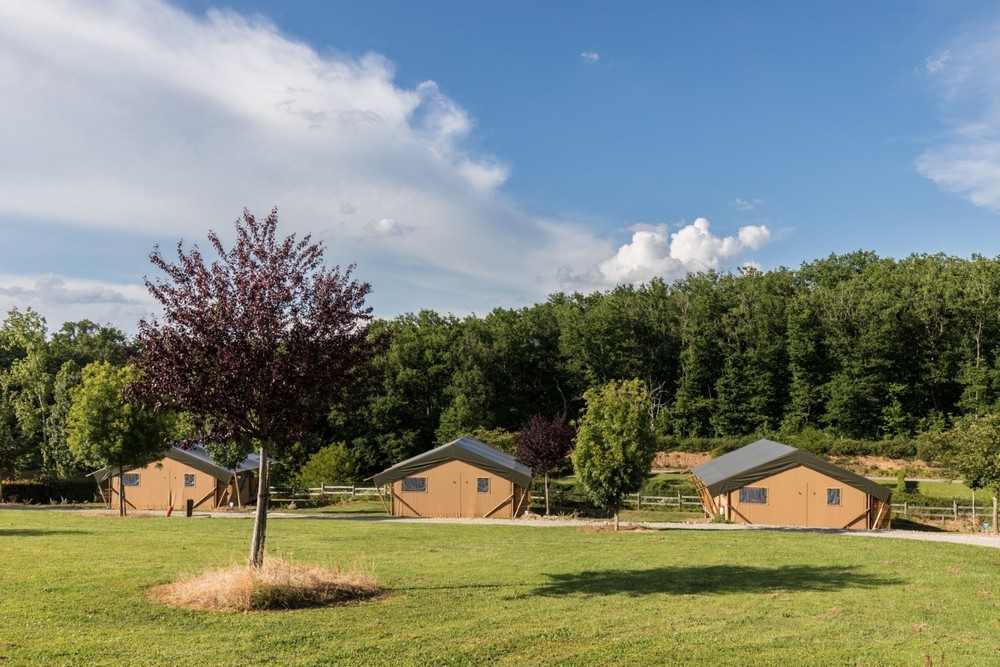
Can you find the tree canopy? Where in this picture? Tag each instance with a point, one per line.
(615, 444)
(256, 346)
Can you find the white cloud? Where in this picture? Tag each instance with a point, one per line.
(591, 56)
(746, 204)
(139, 120)
(966, 162)
(60, 299)
(654, 252)
(937, 63)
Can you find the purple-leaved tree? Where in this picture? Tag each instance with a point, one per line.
(543, 445)
(256, 346)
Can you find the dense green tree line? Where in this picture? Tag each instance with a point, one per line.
(852, 347)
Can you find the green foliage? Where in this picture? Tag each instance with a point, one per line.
(334, 464)
(497, 438)
(615, 444)
(49, 490)
(976, 452)
(103, 429)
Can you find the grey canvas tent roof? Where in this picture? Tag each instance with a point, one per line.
(765, 458)
(465, 449)
(196, 457)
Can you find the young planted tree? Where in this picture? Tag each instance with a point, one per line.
(543, 445)
(615, 444)
(975, 444)
(256, 346)
(104, 430)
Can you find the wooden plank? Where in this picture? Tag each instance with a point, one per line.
(504, 502)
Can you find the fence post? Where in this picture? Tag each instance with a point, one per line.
(638, 500)
(904, 508)
(954, 508)
(679, 505)
(352, 490)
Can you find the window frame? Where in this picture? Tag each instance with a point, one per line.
(192, 477)
(479, 485)
(839, 495)
(758, 497)
(423, 484)
(131, 479)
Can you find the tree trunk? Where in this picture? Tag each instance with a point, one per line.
(546, 494)
(994, 526)
(260, 517)
(121, 491)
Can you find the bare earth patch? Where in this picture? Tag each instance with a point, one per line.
(277, 584)
(679, 460)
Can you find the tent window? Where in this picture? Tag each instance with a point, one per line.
(415, 484)
(483, 484)
(130, 479)
(188, 479)
(753, 494)
(833, 496)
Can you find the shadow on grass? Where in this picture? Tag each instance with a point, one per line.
(908, 524)
(37, 532)
(708, 579)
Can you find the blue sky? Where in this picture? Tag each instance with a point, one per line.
(474, 155)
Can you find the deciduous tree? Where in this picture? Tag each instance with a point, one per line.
(103, 429)
(615, 445)
(255, 346)
(543, 444)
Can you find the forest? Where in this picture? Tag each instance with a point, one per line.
(852, 353)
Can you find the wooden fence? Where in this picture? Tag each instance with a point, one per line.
(287, 494)
(953, 511)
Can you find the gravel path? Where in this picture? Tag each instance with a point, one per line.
(975, 539)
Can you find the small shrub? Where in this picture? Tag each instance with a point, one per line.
(52, 491)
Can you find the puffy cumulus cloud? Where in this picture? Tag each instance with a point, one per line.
(966, 161)
(590, 56)
(654, 252)
(60, 299)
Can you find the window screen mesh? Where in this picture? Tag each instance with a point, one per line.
(753, 494)
(417, 484)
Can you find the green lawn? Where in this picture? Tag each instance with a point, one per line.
(73, 592)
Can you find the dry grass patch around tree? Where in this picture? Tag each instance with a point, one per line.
(277, 584)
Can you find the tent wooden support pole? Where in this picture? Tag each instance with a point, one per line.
(396, 497)
(211, 494)
(878, 517)
(100, 488)
(859, 518)
(707, 502)
(507, 500)
(517, 510)
(382, 498)
(740, 514)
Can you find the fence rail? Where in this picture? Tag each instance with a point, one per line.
(287, 494)
(953, 511)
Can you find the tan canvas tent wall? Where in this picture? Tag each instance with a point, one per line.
(464, 478)
(181, 475)
(770, 483)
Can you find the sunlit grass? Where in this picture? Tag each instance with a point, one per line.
(74, 591)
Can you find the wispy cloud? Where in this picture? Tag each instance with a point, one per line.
(590, 56)
(966, 162)
(76, 299)
(746, 204)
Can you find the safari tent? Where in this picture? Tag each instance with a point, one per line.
(464, 478)
(769, 483)
(181, 475)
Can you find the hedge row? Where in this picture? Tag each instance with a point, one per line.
(48, 491)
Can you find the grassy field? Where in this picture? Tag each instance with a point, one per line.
(73, 592)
